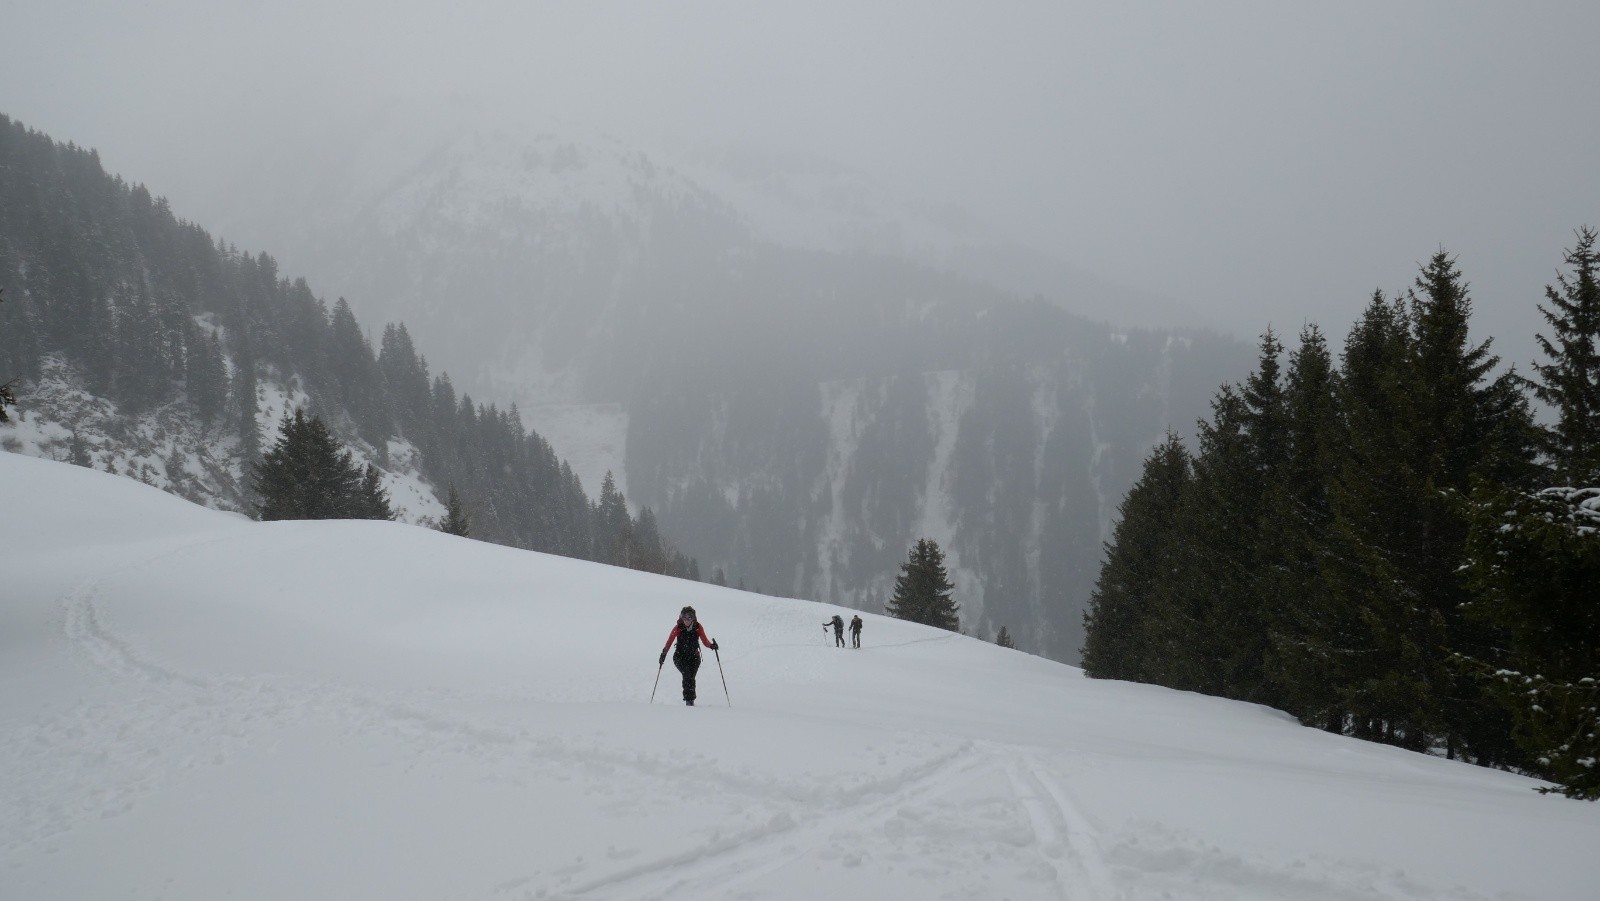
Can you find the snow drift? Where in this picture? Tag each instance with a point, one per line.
(193, 705)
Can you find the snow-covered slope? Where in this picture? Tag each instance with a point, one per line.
(194, 705)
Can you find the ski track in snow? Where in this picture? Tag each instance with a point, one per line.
(724, 863)
(119, 759)
(114, 753)
(1061, 836)
(213, 707)
(964, 813)
(122, 761)
(1062, 832)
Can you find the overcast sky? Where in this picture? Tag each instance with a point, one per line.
(1261, 161)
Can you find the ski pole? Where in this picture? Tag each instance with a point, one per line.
(657, 682)
(724, 675)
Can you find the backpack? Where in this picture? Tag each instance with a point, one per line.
(688, 641)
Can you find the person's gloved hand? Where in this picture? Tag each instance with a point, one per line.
(714, 645)
(662, 660)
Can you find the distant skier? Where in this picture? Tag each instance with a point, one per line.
(689, 635)
(855, 631)
(838, 629)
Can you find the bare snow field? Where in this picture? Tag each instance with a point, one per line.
(196, 706)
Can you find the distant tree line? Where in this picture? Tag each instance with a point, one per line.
(1387, 546)
(7, 398)
(153, 312)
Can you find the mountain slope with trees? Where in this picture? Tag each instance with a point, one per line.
(143, 345)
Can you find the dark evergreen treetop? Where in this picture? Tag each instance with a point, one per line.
(7, 398)
(1310, 413)
(1119, 643)
(1266, 419)
(923, 592)
(613, 527)
(371, 499)
(455, 520)
(308, 475)
(1570, 380)
(78, 452)
(1468, 423)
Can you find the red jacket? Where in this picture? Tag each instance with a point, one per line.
(677, 629)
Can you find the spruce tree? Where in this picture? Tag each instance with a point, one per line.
(356, 375)
(1202, 611)
(245, 387)
(1241, 622)
(405, 374)
(1472, 426)
(1003, 639)
(307, 475)
(7, 397)
(923, 592)
(370, 500)
(645, 549)
(613, 525)
(78, 452)
(205, 377)
(1422, 417)
(455, 520)
(1118, 628)
(1367, 471)
(1533, 564)
(1294, 537)
(1570, 381)
(685, 567)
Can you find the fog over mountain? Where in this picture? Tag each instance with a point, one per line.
(814, 281)
(1253, 161)
(801, 375)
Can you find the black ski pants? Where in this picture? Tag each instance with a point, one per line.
(838, 636)
(689, 665)
(855, 638)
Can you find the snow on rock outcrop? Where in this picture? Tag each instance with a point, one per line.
(170, 448)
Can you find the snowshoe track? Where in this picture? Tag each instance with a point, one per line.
(722, 864)
(1065, 836)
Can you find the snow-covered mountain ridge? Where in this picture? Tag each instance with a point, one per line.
(196, 705)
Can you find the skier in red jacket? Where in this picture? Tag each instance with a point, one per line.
(689, 635)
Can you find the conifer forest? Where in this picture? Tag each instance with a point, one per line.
(1389, 543)
(154, 314)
